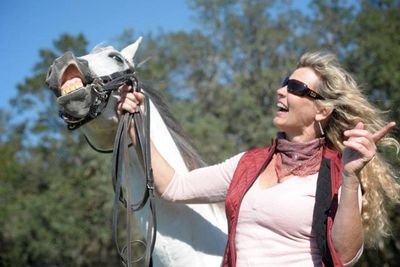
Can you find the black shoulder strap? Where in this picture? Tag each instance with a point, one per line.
(323, 201)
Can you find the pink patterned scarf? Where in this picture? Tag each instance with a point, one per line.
(299, 159)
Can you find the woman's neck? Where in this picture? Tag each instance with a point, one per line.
(300, 138)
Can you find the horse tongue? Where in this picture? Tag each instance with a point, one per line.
(71, 85)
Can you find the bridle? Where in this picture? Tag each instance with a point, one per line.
(100, 89)
(125, 158)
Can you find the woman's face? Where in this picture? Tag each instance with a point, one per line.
(295, 115)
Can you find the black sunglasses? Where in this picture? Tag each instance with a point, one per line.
(300, 89)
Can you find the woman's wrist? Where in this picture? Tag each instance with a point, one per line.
(350, 187)
(350, 181)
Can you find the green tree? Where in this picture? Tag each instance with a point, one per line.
(56, 193)
(374, 57)
(219, 78)
(328, 23)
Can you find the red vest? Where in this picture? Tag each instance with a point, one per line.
(250, 167)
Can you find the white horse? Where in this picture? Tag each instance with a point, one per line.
(187, 235)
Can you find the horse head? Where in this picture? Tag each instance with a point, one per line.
(78, 82)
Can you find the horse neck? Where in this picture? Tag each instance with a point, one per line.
(190, 157)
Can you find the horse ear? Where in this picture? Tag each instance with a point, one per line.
(130, 51)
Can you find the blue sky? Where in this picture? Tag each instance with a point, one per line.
(29, 25)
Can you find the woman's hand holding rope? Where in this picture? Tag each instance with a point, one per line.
(130, 101)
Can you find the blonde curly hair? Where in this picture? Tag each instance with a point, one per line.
(350, 106)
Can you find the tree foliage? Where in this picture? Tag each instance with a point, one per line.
(56, 193)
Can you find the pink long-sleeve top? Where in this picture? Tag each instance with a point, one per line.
(274, 226)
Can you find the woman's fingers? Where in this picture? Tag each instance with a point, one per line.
(382, 132)
(130, 97)
(129, 105)
(125, 88)
(375, 137)
(139, 96)
(360, 141)
(126, 106)
(129, 101)
(363, 146)
(357, 131)
(363, 143)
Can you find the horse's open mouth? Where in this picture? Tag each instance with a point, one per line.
(71, 79)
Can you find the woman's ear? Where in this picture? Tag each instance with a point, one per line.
(323, 113)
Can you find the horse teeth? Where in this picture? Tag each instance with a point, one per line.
(71, 85)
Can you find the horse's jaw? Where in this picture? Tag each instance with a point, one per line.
(99, 139)
(101, 131)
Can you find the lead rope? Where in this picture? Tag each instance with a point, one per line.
(121, 168)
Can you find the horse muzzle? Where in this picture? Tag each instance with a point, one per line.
(78, 92)
(65, 71)
(81, 95)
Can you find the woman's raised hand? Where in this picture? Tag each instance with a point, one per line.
(360, 148)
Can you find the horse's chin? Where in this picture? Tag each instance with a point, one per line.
(101, 133)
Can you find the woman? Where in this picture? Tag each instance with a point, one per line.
(298, 201)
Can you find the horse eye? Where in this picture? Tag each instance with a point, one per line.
(116, 57)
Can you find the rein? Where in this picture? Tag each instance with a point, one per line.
(125, 158)
(94, 98)
(80, 106)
